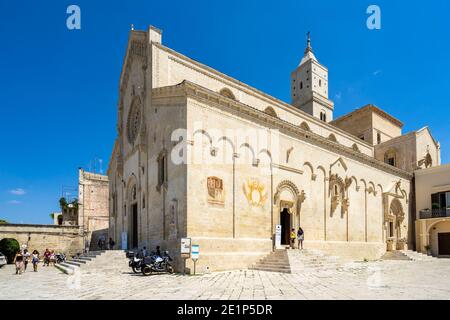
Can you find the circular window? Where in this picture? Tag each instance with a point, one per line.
(134, 121)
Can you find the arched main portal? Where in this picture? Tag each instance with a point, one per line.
(133, 228)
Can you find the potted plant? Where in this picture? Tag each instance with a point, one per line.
(428, 248)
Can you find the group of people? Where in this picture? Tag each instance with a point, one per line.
(102, 244)
(299, 236)
(23, 257)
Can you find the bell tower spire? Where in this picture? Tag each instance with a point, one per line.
(309, 86)
(308, 42)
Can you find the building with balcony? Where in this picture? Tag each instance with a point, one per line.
(432, 225)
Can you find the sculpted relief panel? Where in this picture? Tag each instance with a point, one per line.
(255, 192)
(216, 193)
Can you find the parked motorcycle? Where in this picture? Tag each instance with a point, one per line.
(135, 264)
(156, 263)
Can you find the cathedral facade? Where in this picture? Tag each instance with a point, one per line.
(204, 156)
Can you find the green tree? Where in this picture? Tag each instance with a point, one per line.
(3, 221)
(9, 248)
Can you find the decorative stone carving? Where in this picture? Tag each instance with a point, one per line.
(427, 161)
(288, 153)
(213, 151)
(338, 190)
(134, 120)
(255, 192)
(216, 194)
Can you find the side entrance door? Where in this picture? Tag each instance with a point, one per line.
(444, 244)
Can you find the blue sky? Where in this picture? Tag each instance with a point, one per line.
(58, 93)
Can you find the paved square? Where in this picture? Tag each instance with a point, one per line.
(356, 280)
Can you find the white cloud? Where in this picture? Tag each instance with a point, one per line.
(338, 96)
(17, 192)
(376, 72)
(14, 202)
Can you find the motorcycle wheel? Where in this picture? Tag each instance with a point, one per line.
(169, 269)
(146, 271)
(135, 269)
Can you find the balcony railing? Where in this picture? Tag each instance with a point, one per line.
(434, 213)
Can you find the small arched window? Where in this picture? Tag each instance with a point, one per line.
(320, 82)
(301, 85)
(390, 157)
(227, 93)
(323, 116)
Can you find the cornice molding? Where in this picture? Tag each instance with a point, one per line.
(215, 99)
(245, 88)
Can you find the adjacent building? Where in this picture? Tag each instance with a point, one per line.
(433, 210)
(93, 207)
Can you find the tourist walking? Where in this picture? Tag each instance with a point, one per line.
(52, 258)
(18, 261)
(47, 254)
(293, 236)
(26, 259)
(35, 260)
(300, 237)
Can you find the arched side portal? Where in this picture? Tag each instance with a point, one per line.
(396, 216)
(287, 204)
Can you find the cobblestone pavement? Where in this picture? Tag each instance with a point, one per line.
(372, 280)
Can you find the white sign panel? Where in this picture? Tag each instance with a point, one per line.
(124, 241)
(278, 236)
(195, 251)
(185, 245)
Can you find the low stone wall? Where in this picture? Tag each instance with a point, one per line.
(217, 254)
(66, 239)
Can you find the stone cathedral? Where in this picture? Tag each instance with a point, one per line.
(201, 155)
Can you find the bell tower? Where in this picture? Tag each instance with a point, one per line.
(309, 86)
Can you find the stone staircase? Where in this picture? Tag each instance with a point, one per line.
(312, 260)
(113, 261)
(297, 261)
(395, 255)
(276, 261)
(417, 256)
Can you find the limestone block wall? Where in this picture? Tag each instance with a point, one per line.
(405, 150)
(93, 210)
(359, 232)
(66, 239)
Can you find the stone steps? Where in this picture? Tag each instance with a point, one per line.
(312, 260)
(417, 256)
(395, 255)
(113, 261)
(276, 261)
